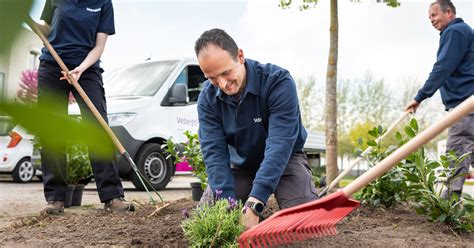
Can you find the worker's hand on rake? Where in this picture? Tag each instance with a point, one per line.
(412, 106)
(76, 74)
(249, 218)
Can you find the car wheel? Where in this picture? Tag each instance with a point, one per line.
(152, 163)
(24, 171)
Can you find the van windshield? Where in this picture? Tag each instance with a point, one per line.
(138, 80)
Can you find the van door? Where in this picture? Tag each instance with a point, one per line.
(183, 115)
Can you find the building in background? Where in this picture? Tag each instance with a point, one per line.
(22, 55)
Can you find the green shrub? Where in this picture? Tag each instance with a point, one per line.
(427, 200)
(389, 189)
(216, 225)
(191, 154)
(78, 163)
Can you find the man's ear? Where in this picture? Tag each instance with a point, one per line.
(240, 56)
(451, 14)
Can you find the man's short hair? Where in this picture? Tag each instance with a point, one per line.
(217, 37)
(444, 5)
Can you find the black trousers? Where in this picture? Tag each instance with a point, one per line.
(53, 163)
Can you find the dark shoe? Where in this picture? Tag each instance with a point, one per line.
(119, 205)
(53, 207)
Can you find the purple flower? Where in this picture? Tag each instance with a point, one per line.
(185, 213)
(233, 203)
(218, 193)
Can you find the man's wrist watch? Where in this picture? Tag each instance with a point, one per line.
(257, 207)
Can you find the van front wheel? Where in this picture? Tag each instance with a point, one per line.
(152, 163)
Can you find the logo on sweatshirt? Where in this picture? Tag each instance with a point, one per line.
(257, 120)
(94, 10)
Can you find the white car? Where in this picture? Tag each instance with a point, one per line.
(16, 150)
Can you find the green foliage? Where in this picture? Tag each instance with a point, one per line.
(318, 174)
(426, 199)
(191, 154)
(12, 14)
(390, 3)
(216, 225)
(78, 163)
(306, 4)
(54, 128)
(390, 189)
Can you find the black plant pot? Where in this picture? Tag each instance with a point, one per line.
(69, 192)
(196, 191)
(77, 195)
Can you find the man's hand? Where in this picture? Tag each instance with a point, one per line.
(412, 106)
(76, 74)
(249, 218)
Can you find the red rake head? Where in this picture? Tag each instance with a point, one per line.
(310, 220)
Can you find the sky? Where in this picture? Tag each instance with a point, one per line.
(395, 44)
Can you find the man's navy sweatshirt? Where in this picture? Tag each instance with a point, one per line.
(453, 72)
(245, 134)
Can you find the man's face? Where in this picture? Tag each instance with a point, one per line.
(222, 70)
(438, 18)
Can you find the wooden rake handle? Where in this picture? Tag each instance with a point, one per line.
(452, 117)
(365, 152)
(32, 24)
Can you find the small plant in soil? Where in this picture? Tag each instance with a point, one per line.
(214, 225)
(191, 154)
(388, 190)
(427, 200)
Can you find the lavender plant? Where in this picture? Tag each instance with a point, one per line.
(214, 225)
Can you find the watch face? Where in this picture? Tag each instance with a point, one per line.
(258, 207)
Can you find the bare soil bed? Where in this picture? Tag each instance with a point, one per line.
(364, 227)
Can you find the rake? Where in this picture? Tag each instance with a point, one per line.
(318, 218)
(361, 156)
(32, 24)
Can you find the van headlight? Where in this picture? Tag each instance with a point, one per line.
(120, 119)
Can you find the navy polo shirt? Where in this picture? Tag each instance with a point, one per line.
(237, 132)
(74, 26)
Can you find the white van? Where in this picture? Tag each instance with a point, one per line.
(148, 103)
(152, 101)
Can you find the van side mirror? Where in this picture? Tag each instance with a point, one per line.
(178, 94)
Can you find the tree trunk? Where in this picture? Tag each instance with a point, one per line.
(331, 103)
